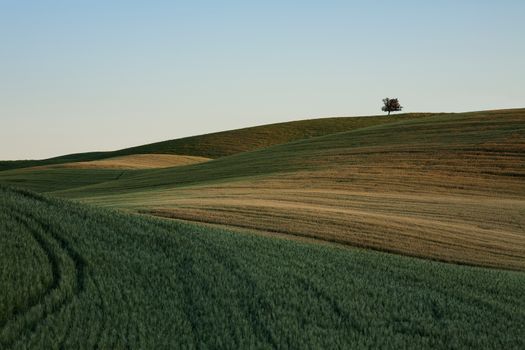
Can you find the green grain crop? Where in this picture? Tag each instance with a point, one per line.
(74, 276)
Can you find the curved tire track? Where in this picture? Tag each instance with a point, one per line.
(59, 252)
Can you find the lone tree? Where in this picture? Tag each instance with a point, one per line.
(391, 105)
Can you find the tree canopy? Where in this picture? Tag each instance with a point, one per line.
(391, 105)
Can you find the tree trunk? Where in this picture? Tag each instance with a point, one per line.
(389, 113)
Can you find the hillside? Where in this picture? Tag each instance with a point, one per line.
(80, 277)
(226, 143)
(446, 187)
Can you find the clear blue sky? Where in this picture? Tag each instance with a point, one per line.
(100, 74)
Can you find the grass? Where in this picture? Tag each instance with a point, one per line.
(220, 144)
(82, 277)
(446, 187)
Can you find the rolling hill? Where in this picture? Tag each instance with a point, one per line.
(75, 276)
(446, 187)
(220, 144)
(218, 273)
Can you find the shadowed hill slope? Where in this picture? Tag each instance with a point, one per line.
(230, 142)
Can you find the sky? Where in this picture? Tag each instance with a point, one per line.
(98, 75)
